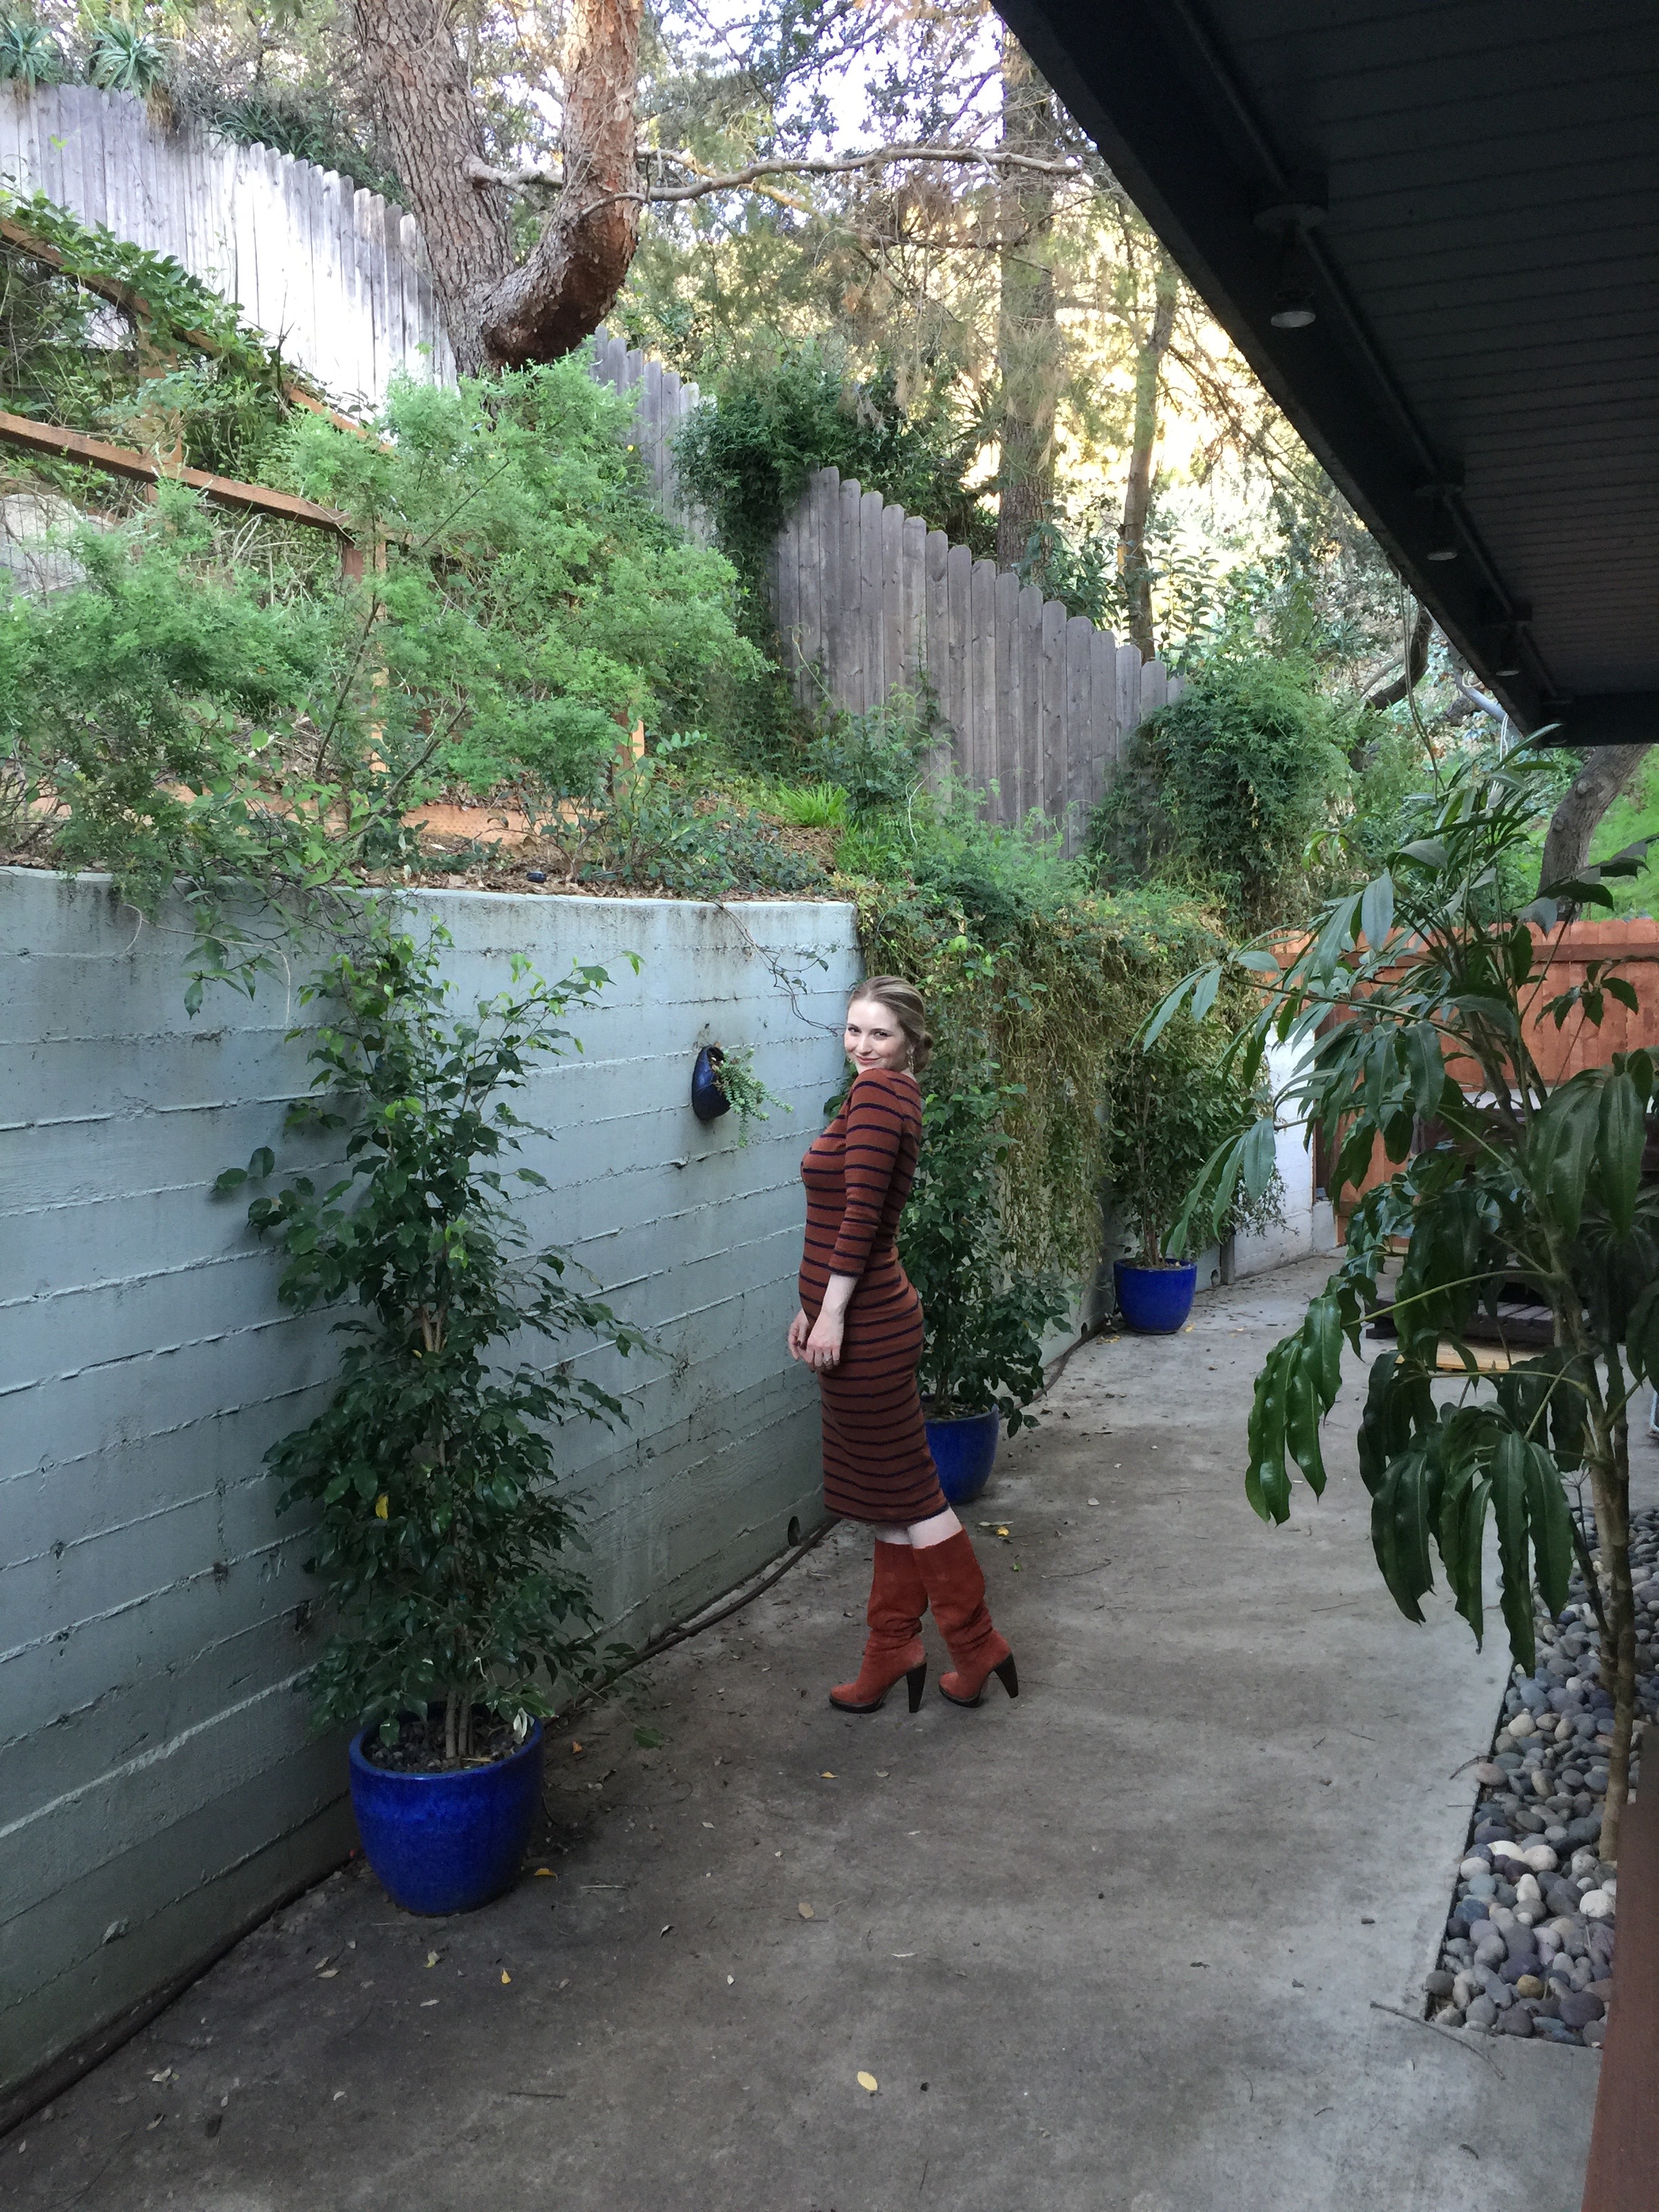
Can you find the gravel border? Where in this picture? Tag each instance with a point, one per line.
(1529, 1939)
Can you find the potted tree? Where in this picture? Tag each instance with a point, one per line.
(441, 1545)
(1417, 1003)
(1163, 1110)
(982, 1358)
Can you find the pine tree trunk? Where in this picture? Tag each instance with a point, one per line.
(1137, 497)
(565, 289)
(425, 102)
(497, 316)
(1028, 328)
(1606, 770)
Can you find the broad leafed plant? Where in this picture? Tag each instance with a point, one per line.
(1416, 1005)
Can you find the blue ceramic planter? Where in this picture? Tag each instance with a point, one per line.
(1154, 1301)
(964, 1451)
(447, 1842)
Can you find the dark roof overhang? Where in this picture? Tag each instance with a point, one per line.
(1469, 196)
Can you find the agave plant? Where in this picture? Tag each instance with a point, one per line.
(28, 54)
(125, 59)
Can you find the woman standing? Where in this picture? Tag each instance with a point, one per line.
(860, 1329)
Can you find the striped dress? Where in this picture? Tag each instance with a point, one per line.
(858, 1175)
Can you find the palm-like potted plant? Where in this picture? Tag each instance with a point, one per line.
(1164, 1111)
(441, 1544)
(1414, 1005)
(981, 1359)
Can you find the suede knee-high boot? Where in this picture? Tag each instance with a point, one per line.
(897, 1601)
(955, 1583)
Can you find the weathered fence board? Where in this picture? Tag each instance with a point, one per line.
(1036, 703)
(337, 276)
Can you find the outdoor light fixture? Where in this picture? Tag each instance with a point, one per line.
(1443, 543)
(1289, 219)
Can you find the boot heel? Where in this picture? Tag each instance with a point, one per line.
(1007, 1675)
(916, 1682)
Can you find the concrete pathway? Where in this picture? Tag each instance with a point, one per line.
(1117, 1947)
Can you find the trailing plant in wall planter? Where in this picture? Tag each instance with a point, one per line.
(443, 1547)
(982, 1358)
(723, 1082)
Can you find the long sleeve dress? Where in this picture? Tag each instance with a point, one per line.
(858, 1175)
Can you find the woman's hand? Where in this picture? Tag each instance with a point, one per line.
(820, 1345)
(823, 1350)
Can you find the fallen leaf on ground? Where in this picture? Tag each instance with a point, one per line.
(328, 1973)
(826, 1776)
(432, 1958)
(546, 1871)
(805, 1911)
(575, 1747)
(869, 2082)
(506, 1977)
(426, 2003)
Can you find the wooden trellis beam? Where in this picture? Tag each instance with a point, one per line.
(126, 461)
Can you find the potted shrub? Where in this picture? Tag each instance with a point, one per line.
(981, 1359)
(442, 1547)
(1164, 1111)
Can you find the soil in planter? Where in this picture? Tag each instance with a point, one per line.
(1529, 1943)
(420, 1745)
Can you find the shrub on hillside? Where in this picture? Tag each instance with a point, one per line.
(1220, 792)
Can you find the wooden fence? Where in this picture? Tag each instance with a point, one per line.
(337, 276)
(1038, 702)
(869, 600)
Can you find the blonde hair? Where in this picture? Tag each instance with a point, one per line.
(904, 1002)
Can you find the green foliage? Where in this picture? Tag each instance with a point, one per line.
(123, 58)
(308, 125)
(742, 1089)
(817, 806)
(217, 706)
(1164, 1112)
(1410, 1003)
(442, 1543)
(1025, 970)
(1221, 791)
(188, 376)
(984, 1319)
(29, 55)
(876, 757)
(650, 826)
(533, 603)
(1633, 818)
(747, 458)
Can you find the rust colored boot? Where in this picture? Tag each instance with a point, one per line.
(897, 1601)
(955, 1583)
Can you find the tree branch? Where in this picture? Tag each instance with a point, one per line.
(1417, 661)
(704, 182)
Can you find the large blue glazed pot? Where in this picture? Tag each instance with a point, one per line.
(964, 1451)
(1154, 1301)
(447, 1842)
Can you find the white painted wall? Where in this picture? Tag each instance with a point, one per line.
(157, 1780)
(1309, 1224)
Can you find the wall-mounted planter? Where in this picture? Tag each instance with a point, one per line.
(447, 1842)
(708, 1101)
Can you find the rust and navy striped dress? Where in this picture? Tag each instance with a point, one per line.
(858, 1175)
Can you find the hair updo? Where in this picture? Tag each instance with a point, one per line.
(904, 1002)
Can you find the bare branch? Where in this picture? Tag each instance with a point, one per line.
(702, 182)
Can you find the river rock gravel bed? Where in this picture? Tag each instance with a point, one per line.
(1529, 1941)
